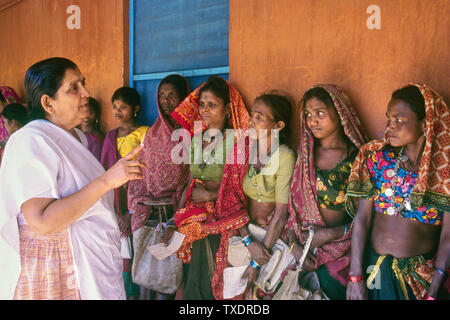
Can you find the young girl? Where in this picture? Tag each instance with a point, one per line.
(330, 136)
(118, 143)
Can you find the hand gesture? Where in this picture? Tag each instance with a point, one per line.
(259, 252)
(124, 170)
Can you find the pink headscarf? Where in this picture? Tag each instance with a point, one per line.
(162, 178)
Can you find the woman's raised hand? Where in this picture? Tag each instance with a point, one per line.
(259, 252)
(125, 169)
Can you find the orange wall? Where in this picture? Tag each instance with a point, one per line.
(32, 30)
(294, 44)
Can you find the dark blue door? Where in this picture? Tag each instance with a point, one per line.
(188, 37)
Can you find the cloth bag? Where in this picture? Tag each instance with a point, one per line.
(270, 273)
(163, 276)
(299, 285)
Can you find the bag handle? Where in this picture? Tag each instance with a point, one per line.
(165, 212)
(159, 214)
(306, 248)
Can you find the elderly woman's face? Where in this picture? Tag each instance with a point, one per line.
(70, 105)
(261, 121)
(402, 127)
(321, 120)
(213, 111)
(168, 98)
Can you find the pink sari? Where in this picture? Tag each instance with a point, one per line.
(162, 178)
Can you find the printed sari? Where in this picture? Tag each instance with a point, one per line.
(200, 220)
(303, 200)
(162, 178)
(432, 187)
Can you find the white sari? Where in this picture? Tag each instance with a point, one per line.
(42, 160)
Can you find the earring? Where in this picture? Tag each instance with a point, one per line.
(229, 115)
(425, 134)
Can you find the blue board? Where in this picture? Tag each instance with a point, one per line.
(189, 37)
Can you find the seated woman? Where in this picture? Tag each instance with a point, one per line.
(118, 143)
(330, 136)
(163, 181)
(267, 179)
(15, 117)
(91, 128)
(219, 106)
(405, 179)
(7, 96)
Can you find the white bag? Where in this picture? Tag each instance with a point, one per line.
(270, 273)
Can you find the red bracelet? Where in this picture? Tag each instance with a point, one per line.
(429, 298)
(355, 278)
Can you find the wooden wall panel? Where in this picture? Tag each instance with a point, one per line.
(294, 44)
(33, 30)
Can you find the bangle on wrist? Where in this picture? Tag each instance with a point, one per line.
(440, 271)
(355, 278)
(292, 246)
(254, 265)
(247, 240)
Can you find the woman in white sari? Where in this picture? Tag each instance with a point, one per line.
(59, 237)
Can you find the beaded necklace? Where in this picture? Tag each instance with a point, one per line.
(204, 163)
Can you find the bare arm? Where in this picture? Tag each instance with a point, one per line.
(442, 256)
(276, 225)
(46, 215)
(183, 195)
(361, 226)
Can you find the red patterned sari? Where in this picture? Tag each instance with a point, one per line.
(198, 220)
(432, 187)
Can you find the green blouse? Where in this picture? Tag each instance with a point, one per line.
(207, 165)
(332, 184)
(273, 182)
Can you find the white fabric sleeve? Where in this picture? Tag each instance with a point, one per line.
(32, 168)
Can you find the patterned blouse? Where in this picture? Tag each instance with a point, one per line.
(332, 184)
(379, 164)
